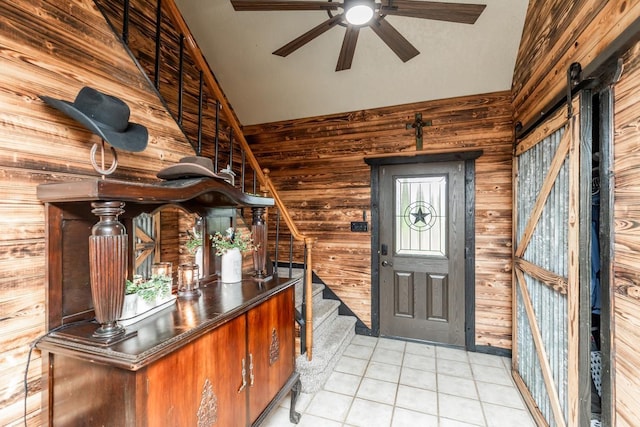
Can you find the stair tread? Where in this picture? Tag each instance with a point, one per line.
(322, 310)
(332, 333)
(316, 290)
(295, 273)
(327, 350)
(340, 324)
(325, 346)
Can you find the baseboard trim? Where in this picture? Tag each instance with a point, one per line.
(495, 351)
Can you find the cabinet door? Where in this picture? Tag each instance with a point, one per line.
(90, 394)
(271, 349)
(198, 385)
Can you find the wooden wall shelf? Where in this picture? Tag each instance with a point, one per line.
(198, 193)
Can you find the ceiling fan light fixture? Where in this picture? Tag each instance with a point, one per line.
(358, 12)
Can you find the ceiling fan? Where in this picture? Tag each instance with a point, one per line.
(356, 14)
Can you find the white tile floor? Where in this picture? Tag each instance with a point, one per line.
(381, 382)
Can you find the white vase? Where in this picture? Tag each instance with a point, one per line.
(199, 261)
(231, 266)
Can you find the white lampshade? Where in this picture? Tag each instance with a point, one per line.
(359, 12)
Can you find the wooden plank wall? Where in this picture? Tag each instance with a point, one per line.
(556, 34)
(317, 165)
(142, 43)
(626, 264)
(54, 47)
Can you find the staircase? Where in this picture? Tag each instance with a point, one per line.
(159, 39)
(332, 334)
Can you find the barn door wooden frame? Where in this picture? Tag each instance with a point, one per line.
(147, 240)
(601, 74)
(567, 152)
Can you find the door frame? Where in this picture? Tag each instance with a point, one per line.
(606, 141)
(469, 158)
(604, 116)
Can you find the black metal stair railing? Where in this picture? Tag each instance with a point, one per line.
(187, 86)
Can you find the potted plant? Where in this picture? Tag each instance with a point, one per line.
(130, 306)
(229, 248)
(153, 292)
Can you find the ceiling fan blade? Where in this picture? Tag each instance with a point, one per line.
(308, 36)
(394, 39)
(248, 5)
(451, 12)
(348, 48)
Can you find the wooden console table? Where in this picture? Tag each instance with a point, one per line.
(224, 358)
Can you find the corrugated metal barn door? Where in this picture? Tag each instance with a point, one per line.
(546, 268)
(147, 242)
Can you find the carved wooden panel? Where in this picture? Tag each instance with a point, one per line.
(208, 409)
(274, 348)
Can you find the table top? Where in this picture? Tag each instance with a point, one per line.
(169, 329)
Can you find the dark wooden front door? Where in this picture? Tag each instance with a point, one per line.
(422, 251)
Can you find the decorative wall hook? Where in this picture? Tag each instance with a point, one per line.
(101, 168)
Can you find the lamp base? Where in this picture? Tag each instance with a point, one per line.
(108, 331)
(84, 334)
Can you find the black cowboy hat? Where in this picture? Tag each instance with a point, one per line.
(189, 167)
(104, 115)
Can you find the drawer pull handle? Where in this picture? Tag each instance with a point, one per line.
(251, 369)
(244, 379)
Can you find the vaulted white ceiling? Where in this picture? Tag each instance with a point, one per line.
(455, 59)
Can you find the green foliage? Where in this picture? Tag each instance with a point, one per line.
(131, 287)
(194, 241)
(232, 239)
(150, 289)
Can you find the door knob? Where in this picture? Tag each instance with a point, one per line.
(386, 263)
